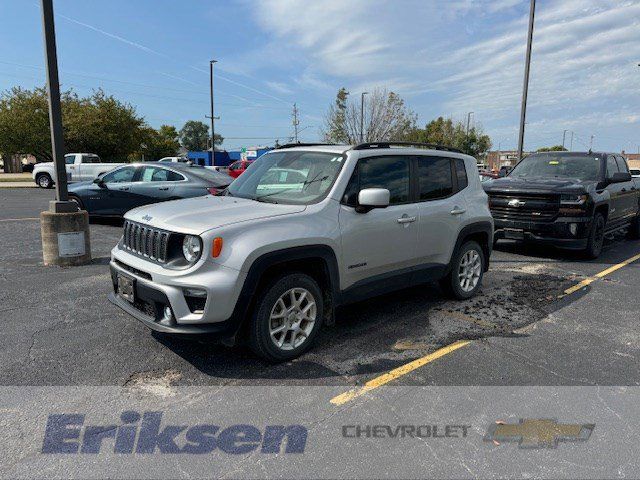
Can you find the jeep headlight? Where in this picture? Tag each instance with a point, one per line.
(191, 248)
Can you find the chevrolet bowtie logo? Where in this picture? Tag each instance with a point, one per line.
(543, 433)
(516, 203)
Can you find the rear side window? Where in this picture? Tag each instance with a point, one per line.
(391, 173)
(435, 180)
(461, 173)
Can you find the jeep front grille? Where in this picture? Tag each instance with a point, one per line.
(146, 241)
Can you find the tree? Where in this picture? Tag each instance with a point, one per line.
(555, 148)
(449, 134)
(386, 118)
(157, 144)
(98, 124)
(194, 136)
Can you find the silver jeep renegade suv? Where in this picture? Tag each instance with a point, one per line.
(304, 230)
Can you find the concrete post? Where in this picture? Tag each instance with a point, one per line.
(65, 238)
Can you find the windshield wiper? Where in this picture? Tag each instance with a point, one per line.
(304, 184)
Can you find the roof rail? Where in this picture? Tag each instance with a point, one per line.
(432, 146)
(292, 145)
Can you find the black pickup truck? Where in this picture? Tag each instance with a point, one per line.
(566, 199)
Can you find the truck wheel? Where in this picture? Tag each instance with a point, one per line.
(596, 237)
(466, 274)
(634, 229)
(44, 180)
(287, 317)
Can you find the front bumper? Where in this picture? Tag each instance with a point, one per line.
(156, 288)
(557, 233)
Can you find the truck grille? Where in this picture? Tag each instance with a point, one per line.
(146, 241)
(529, 207)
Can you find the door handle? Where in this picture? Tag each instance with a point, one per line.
(163, 188)
(458, 211)
(405, 219)
(124, 188)
(624, 190)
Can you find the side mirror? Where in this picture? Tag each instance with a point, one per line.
(98, 181)
(620, 177)
(371, 198)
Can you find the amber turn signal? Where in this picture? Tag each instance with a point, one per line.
(217, 247)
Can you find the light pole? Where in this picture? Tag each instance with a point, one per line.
(213, 118)
(64, 230)
(525, 88)
(469, 121)
(362, 116)
(564, 138)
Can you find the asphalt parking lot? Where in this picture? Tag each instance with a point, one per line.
(59, 328)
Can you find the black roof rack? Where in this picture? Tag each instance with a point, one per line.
(292, 145)
(432, 146)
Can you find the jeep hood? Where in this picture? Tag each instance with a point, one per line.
(199, 214)
(536, 185)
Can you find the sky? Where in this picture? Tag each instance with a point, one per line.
(443, 57)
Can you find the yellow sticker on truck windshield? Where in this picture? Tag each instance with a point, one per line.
(554, 162)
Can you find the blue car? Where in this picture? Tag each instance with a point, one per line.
(114, 193)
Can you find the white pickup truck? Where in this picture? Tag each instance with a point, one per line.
(81, 167)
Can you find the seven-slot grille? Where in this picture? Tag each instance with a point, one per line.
(146, 241)
(528, 208)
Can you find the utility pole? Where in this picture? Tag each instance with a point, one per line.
(525, 88)
(64, 230)
(564, 138)
(591, 143)
(469, 122)
(362, 116)
(571, 145)
(296, 123)
(213, 118)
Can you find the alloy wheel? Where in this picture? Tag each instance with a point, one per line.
(470, 270)
(292, 318)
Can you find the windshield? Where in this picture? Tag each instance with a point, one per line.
(580, 166)
(293, 177)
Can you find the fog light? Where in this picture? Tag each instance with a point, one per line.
(573, 228)
(168, 314)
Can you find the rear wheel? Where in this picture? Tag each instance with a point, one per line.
(77, 201)
(467, 272)
(287, 318)
(44, 180)
(634, 229)
(596, 237)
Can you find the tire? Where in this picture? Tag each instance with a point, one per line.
(44, 180)
(634, 229)
(77, 200)
(596, 237)
(276, 300)
(454, 284)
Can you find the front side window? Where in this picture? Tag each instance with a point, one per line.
(121, 175)
(293, 177)
(435, 179)
(624, 168)
(69, 159)
(612, 166)
(391, 173)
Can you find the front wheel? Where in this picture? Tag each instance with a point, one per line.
(596, 237)
(467, 271)
(287, 318)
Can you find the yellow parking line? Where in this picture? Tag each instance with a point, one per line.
(588, 281)
(18, 219)
(397, 373)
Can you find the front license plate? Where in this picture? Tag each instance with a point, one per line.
(125, 288)
(514, 234)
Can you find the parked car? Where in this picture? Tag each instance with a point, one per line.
(567, 199)
(237, 168)
(635, 173)
(486, 176)
(277, 254)
(134, 185)
(80, 167)
(504, 170)
(174, 159)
